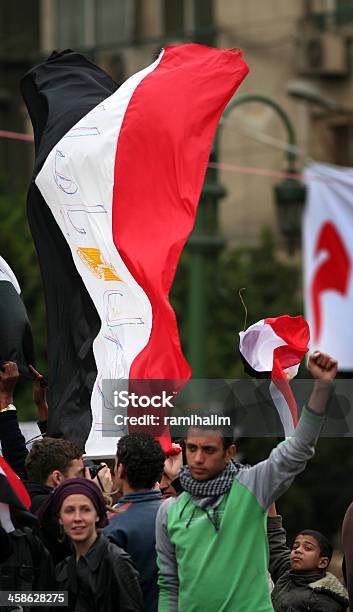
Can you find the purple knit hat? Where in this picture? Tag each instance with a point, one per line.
(73, 486)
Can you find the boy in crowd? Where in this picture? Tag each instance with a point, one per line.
(301, 579)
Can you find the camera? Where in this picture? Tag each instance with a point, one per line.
(93, 468)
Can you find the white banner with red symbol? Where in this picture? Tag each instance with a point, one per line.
(328, 260)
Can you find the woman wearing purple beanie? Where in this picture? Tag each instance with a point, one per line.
(99, 575)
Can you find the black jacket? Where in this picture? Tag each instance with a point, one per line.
(104, 579)
(58, 545)
(296, 592)
(13, 444)
(28, 565)
(6, 547)
(38, 494)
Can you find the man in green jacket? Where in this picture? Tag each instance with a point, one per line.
(211, 540)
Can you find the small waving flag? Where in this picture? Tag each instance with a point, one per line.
(13, 494)
(12, 490)
(273, 348)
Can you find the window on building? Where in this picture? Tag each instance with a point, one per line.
(328, 13)
(344, 11)
(204, 21)
(92, 23)
(191, 19)
(70, 24)
(203, 13)
(174, 16)
(342, 143)
(115, 21)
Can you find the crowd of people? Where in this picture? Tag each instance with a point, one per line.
(192, 531)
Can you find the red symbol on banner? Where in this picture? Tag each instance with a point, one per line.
(332, 274)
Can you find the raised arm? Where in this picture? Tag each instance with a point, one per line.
(323, 369)
(12, 441)
(277, 541)
(272, 477)
(39, 398)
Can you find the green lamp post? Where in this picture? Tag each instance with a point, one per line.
(289, 193)
(205, 243)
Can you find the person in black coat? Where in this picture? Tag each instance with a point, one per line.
(25, 563)
(99, 575)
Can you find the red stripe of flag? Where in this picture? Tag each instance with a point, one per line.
(158, 182)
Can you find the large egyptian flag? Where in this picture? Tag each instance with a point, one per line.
(16, 341)
(117, 179)
(328, 260)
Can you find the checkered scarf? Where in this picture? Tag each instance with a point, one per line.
(207, 494)
(208, 488)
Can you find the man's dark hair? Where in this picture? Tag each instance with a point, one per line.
(221, 428)
(143, 459)
(48, 455)
(325, 547)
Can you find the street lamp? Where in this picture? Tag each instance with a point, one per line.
(311, 94)
(289, 193)
(290, 200)
(205, 243)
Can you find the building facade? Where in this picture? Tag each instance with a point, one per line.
(283, 41)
